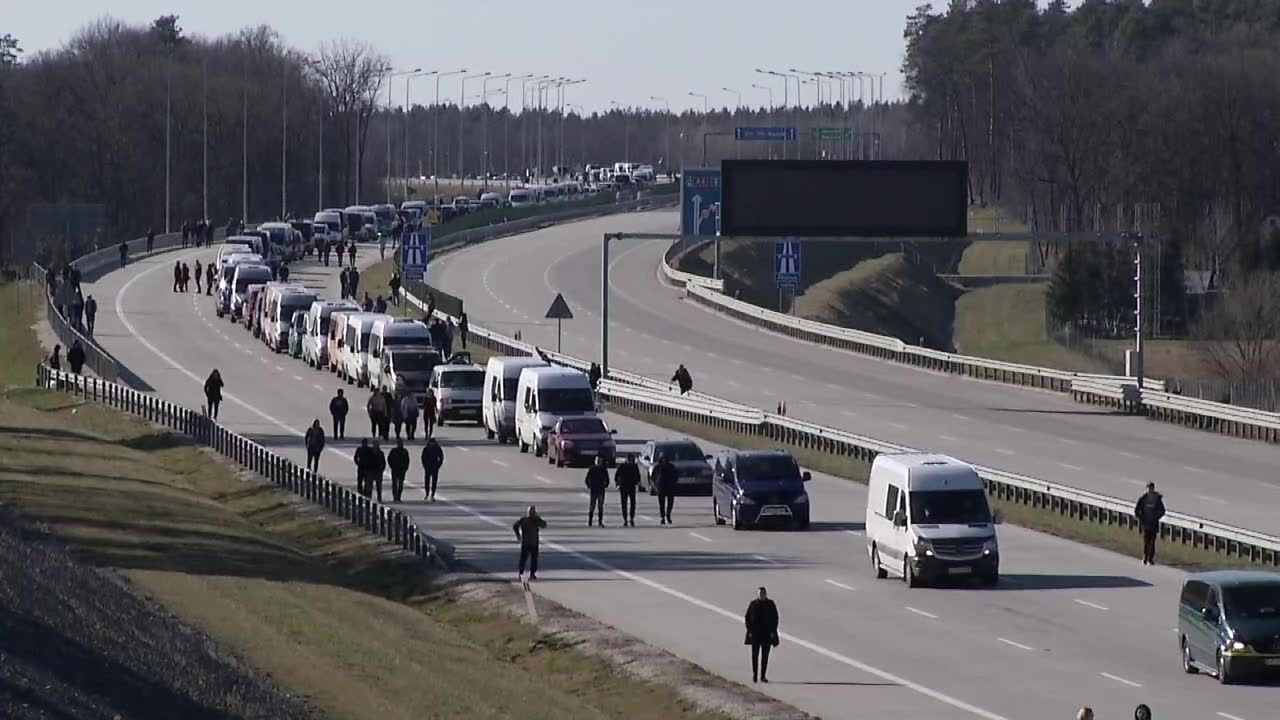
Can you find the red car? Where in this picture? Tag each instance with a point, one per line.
(581, 439)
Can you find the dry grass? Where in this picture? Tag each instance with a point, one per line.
(21, 307)
(994, 258)
(312, 602)
(1006, 322)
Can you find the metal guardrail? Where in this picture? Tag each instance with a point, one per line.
(1207, 415)
(681, 278)
(388, 523)
(1073, 503)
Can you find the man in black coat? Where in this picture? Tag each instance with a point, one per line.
(1148, 511)
(90, 313)
(338, 408)
(377, 409)
(666, 477)
(314, 440)
(762, 634)
(75, 357)
(377, 466)
(432, 461)
(627, 478)
(398, 461)
(683, 379)
(527, 530)
(597, 483)
(364, 466)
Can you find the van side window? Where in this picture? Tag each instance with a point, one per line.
(1212, 605)
(1195, 594)
(891, 501)
(528, 398)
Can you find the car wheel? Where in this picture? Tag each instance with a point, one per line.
(524, 447)
(737, 521)
(1188, 664)
(879, 570)
(909, 573)
(715, 511)
(488, 434)
(537, 449)
(1223, 676)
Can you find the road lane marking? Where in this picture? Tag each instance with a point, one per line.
(237, 345)
(1004, 451)
(463, 449)
(1019, 645)
(703, 538)
(839, 584)
(1086, 603)
(1131, 481)
(1128, 454)
(763, 559)
(733, 616)
(1068, 441)
(1119, 679)
(542, 479)
(645, 518)
(1069, 466)
(1229, 717)
(854, 532)
(920, 612)
(298, 378)
(496, 461)
(949, 438)
(317, 387)
(897, 425)
(1212, 499)
(1198, 471)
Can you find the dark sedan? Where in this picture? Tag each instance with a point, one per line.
(690, 461)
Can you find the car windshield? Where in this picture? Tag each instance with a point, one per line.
(949, 507)
(462, 379)
(279, 235)
(561, 400)
(583, 426)
(680, 451)
(768, 467)
(1252, 602)
(416, 361)
(243, 282)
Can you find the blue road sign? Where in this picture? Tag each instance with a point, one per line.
(786, 263)
(415, 253)
(699, 201)
(766, 134)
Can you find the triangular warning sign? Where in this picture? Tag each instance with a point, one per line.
(559, 309)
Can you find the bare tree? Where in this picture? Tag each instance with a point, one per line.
(1214, 241)
(1239, 338)
(352, 74)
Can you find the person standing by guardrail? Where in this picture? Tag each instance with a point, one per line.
(683, 379)
(338, 408)
(627, 478)
(597, 483)
(394, 284)
(124, 253)
(177, 275)
(762, 633)
(1149, 511)
(666, 477)
(398, 461)
(151, 240)
(55, 358)
(213, 392)
(463, 329)
(527, 530)
(432, 461)
(90, 313)
(314, 440)
(75, 357)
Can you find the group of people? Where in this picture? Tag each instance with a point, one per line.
(182, 277)
(387, 411)
(325, 247)
(64, 290)
(75, 357)
(349, 279)
(196, 232)
(372, 464)
(627, 479)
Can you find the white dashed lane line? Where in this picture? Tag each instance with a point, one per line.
(838, 584)
(1086, 603)
(497, 462)
(703, 538)
(918, 611)
(1120, 680)
(1018, 645)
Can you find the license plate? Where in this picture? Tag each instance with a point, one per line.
(587, 453)
(959, 570)
(775, 512)
(469, 411)
(1273, 662)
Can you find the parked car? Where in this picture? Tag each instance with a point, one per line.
(580, 440)
(1229, 624)
(759, 487)
(690, 461)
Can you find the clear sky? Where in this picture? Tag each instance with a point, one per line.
(627, 51)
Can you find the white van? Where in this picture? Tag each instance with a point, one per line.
(501, 380)
(459, 390)
(521, 198)
(928, 518)
(232, 245)
(407, 370)
(332, 222)
(315, 344)
(264, 302)
(337, 337)
(244, 275)
(395, 333)
(544, 395)
(280, 315)
(355, 351)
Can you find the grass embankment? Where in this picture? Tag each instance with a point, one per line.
(993, 258)
(314, 603)
(1006, 322)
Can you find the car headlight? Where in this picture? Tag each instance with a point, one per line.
(745, 500)
(802, 499)
(566, 444)
(990, 546)
(1239, 645)
(924, 547)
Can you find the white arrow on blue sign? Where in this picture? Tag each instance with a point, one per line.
(786, 263)
(415, 253)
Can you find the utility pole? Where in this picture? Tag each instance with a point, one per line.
(284, 143)
(244, 148)
(168, 122)
(204, 73)
(435, 133)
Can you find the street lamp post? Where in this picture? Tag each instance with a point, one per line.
(506, 126)
(561, 152)
(705, 109)
(168, 114)
(435, 134)
(484, 125)
(204, 72)
(244, 147)
(391, 76)
(462, 104)
(407, 81)
(667, 130)
(582, 136)
(284, 139)
(736, 93)
(769, 90)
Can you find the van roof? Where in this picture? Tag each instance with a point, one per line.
(253, 269)
(1232, 578)
(926, 471)
(405, 328)
(515, 363)
(552, 373)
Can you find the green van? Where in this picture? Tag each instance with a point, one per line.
(1229, 624)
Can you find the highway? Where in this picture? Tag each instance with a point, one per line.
(509, 283)
(1069, 626)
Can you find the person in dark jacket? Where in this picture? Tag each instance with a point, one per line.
(380, 305)
(151, 239)
(314, 440)
(367, 303)
(597, 483)
(762, 634)
(432, 461)
(463, 328)
(429, 413)
(55, 358)
(398, 461)
(198, 276)
(90, 313)
(527, 530)
(210, 274)
(683, 379)
(75, 357)
(627, 478)
(364, 466)
(213, 392)
(1148, 511)
(186, 277)
(666, 477)
(377, 409)
(393, 413)
(395, 288)
(342, 280)
(338, 409)
(351, 254)
(1142, 712)
(389, 403)
(409, 414)
(177, 276)
(284, 272)
(353, 278)
(377, 466)
(124, 253)
(75, 278)
(593, 376)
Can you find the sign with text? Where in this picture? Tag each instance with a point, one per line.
(415, 252)
(765, 134)
(699, 201)
(832, 134)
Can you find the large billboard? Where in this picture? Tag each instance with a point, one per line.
(699, 201)
(853, 198)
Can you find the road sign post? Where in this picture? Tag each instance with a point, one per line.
(415, 253)
(558, 311)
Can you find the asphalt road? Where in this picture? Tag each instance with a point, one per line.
(1070, 625)
(509, 283)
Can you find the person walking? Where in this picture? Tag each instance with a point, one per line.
(364, 465)
(338, 408)
(284, 272)
(55, 358)
(151, 240)
(389, 403)
(1148, 511)
(342, 280)
(213, 392)
(409, 414)
(124, 253)
(186, 277)
(367, 304)
(593, 376)
(382, 247)
(463, 328)
(597, 483)
(351, 253)
(627, 478)
(90, 313)
(377, 466)
(75, 357)
(177, 275)
(666, 478)
(210, 273)
(398, 461)
(527, 530)
(432, 461)
(762, 634)
(353, 278)
(429, 413)
(198, 275)
(314, 441)
(377, 409)
(683, 379)
(395, 288)
(393, 413)
(380, 305)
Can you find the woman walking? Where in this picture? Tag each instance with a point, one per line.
(213, 392)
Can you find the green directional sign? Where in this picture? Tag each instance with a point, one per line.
(832, 134)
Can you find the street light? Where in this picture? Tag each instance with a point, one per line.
(564, 84)
(435, 133)
(786, 88)
(506, 125)
(705, 109)
(391, 76)
(582, 137)
(407, 82)
(204, 93)
(667, 130)
(542, 105)
(462, 104)
(731, 91)
(767, 89)
(626, 131)
(309, 65)
(484, 125)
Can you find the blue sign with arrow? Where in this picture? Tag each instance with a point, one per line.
(700, 201)
(786, 263)
(415, 253)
